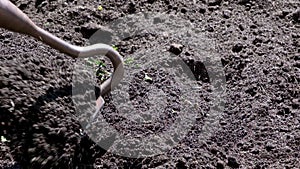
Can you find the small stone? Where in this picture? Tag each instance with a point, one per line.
(237, 47)
(295, 35)
(214, 2)
(232, 162)
(269, 146)
(220, 165)
(176, 48)
(63, 130)
(226, 14)
(210, 29)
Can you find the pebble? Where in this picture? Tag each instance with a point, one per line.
(220, 165)
(210, 29)
(237, 47)
(176, 48)
(269, 146)
(226, 14)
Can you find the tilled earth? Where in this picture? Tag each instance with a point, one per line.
(259, 46)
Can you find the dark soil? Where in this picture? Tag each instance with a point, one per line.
(259, 45)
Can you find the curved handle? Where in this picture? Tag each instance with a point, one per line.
(115, 58)
(14, 19)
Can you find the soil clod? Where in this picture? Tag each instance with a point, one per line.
(176, 48)
(237, 47)
(232, 162)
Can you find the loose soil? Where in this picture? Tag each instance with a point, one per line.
(259, 45)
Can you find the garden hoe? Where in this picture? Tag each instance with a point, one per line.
(14, 19)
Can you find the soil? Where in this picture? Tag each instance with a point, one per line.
(259, 46)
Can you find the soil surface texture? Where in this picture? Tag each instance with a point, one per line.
(257, 41)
